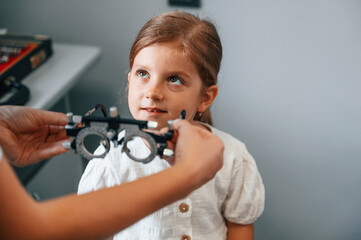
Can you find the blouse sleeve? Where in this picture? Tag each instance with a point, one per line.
(246, 196)
(97, 175)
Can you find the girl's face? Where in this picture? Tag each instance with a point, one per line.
(163, 82)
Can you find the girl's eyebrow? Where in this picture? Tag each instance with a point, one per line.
(137, 66)
(171, 72)
(179, 73)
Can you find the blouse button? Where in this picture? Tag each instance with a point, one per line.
(184, 208)
(186, 237)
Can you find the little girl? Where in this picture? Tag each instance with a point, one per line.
(174, 63)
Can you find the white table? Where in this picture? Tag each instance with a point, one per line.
(55, 77)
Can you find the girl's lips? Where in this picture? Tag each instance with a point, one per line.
(154, 110)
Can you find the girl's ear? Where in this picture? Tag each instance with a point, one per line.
(127, 88)
(208, 98)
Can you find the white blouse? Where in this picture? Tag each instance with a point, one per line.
(236, 193)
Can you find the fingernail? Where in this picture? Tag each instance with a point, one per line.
(169, 123)
(67, 145)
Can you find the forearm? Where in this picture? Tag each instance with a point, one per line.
(18, 210)
(96, 214)
(239, 232)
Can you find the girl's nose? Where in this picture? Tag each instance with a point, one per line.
(154, 92)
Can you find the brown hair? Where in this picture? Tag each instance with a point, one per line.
(196, 37)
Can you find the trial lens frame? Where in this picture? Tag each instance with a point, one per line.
(107, 128)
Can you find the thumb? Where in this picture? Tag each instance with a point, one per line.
(179, 123)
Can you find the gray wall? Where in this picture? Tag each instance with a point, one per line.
(290, 89)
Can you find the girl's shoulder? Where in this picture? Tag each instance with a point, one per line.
(236, 155)
(228, 140)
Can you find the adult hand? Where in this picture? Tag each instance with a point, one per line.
(30, 135)
(198, 149)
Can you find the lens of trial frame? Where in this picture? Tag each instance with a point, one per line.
(94, 142)
(138, 148)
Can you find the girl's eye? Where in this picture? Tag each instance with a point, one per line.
(176, 80)
(142, 74)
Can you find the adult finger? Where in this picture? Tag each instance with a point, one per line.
(50, 118)
(50, 150)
